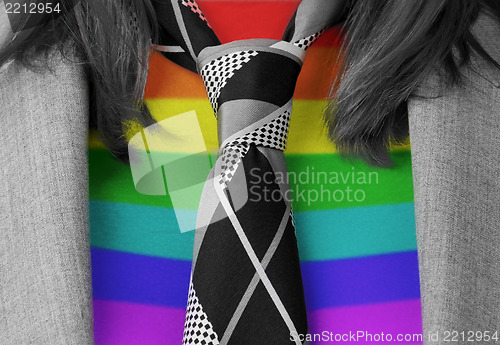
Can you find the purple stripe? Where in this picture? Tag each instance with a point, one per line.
(121, 323)
(402, 317)
(136, 324)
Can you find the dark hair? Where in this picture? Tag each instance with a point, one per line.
(390, 46)
(113, 39)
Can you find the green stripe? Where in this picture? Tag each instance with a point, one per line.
(325, 181)
(111, 180)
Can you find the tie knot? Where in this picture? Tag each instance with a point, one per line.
(250, 86)
(246, 82)
(258, 69)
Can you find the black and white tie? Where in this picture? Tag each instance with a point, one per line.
(246, 285)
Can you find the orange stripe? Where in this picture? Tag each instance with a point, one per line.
(317, 74)
(168, 80)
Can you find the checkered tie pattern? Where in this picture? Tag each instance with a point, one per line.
(245, 285)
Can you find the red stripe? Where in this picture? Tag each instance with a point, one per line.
(235, 20)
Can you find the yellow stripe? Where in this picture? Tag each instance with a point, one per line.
(307, 132)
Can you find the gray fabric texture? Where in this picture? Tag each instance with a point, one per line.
(45, 276)
(456, 173)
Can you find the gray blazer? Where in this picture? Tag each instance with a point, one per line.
(455, 141)
(45, 281)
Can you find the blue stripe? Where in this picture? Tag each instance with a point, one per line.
(141, 279)
(373, 279)
(157, 281)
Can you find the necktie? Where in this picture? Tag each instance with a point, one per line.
(246, 285)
